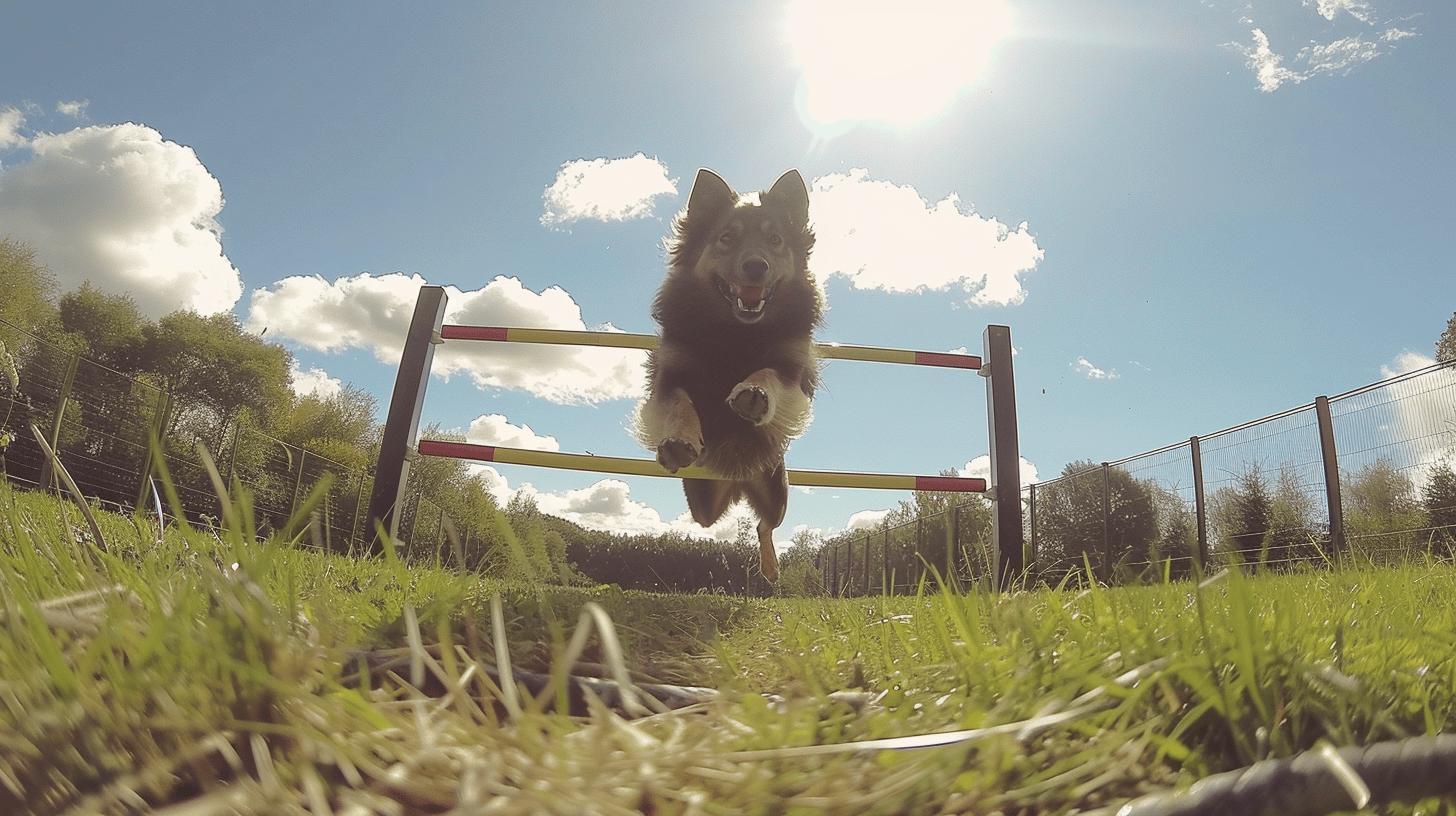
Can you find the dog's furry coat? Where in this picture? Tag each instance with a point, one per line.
(732, 382)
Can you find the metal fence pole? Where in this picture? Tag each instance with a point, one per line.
(886, 587)
(297, 483)
(1005, 487)
(1031, 512)
(1332, 476)
(952, 543)
(1200, 509)
(391, 472)
(834, 569)
(867, 565)
(1106, 526)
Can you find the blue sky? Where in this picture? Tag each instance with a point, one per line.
(1229, 207)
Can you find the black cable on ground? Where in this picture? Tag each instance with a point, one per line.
(1308, 784)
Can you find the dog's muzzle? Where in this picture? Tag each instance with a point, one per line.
(748, 301)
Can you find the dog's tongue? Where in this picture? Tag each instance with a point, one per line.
(750, 295)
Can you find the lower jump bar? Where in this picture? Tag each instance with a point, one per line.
(647, 467)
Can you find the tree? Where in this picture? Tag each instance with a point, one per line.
(1295, 535)
(28, 287)
(1251, 516)
(1446, 344)
(1070, 519)
(108, 329)
(1438, 499)
(1381, 510)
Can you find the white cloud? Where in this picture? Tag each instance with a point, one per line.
(129, 211)
(1085, 367)
(1329, 9)
(373, 311)
(76, 108)
(881, 235)
(866, 520)
(314, 382)
(980, 468)
(494, 429)
(11, 121)
(1404, 363)
(1337, 57)
(494, 482)
(605, 190)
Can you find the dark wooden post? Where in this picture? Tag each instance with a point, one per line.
(402, 425)
(1007, 537)
(1332, 476)
(1200, 510)
(1106, 527)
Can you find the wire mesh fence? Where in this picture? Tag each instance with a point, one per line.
(101, 423)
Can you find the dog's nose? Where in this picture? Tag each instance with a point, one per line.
(755, 270)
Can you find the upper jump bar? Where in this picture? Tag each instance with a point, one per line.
(648, 467)
(830, 351)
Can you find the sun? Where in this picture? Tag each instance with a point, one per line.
(899, 62)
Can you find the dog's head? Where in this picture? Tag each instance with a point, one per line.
(753, 257)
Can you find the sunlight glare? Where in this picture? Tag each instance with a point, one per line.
(899, 62)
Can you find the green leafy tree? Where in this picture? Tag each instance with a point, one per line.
(1438, 500)
(1295, 535)
(1446, 344)
(1070, 523)
(28, 286)
(1382, 514)
(1250, 518)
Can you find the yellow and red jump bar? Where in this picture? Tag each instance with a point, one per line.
(648, 467)
(828, 351)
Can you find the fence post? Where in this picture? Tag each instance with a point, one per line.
(354, 520)
(952, 543)
(886, 587)
(834, 569)
(1106, 527)
(1031, 511)
(1005, 488)
(391, 472)
(1332, 476)
(1200, 509)
(867, 565)
(62, 399)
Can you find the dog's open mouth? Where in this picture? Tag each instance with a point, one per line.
(747, 301)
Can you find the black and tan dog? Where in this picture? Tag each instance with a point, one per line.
(732, 382)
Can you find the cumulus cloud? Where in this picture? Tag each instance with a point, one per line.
(882, 235)
(1404, 363)
(1337, 57)
(980, 468)
(127, 210)
(1085, 367)
(75, 108)
(314, 382)
(11, 121)
(494, 429)
(866, 520)
(605, 190)
(373, 312)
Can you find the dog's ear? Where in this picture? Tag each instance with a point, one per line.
(710, 195)
(791, 192)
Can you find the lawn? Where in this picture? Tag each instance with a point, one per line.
(198, 672)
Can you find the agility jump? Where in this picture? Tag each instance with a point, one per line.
(428, 329)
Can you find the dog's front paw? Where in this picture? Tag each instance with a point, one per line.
(751, 402)
(674, 453)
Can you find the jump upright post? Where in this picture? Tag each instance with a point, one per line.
(428, 329)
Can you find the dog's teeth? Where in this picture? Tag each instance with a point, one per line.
(757, 307)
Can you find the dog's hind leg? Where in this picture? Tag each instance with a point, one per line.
(668, 423)
(708, 499)
(768, 495)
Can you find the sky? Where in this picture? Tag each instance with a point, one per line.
(1189, 213)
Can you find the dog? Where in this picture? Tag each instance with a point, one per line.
(733, 380)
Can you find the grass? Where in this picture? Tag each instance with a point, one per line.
(197, 672)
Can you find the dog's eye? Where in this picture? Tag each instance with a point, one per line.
(775, 240)
(726, 238)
